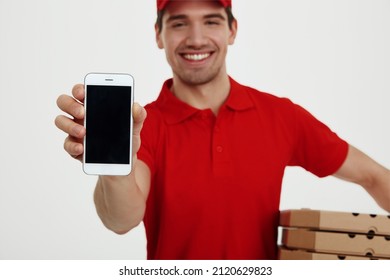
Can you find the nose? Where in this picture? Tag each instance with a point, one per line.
(196, 37)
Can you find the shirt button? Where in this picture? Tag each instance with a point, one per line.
(219, 149)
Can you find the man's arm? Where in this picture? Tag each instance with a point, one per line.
(120, 200)
(373, 177)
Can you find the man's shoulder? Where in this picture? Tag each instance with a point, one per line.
(151, 106)
(153, 111)
(266, 99)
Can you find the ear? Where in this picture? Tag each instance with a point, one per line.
(158, 37)
(233, 32)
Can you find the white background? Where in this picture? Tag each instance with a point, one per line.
(330, 56)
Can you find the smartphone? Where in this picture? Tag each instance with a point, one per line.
(109, 124)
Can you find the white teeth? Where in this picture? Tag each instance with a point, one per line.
(196, 57)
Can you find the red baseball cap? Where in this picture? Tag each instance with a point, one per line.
(161, 4)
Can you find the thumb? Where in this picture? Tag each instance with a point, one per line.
(139, 116)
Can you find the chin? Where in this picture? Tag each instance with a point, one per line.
(195, 79)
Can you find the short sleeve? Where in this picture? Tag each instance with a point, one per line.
(318, 149)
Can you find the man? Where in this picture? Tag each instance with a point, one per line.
(207, 177)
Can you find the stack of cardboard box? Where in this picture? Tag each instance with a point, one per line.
(327, 235)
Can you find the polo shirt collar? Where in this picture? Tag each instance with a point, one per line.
(176, 111)
(239, 99)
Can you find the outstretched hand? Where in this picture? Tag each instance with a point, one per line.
(74, 125)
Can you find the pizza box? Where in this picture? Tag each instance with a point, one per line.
(291, 254)
(337, 243)
(336, 221)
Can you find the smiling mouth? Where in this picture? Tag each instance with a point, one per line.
(196, 57)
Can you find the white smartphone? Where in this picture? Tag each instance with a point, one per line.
(109, 124)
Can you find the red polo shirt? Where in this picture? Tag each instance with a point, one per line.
(216, 181)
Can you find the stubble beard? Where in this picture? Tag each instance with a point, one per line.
(198, 76)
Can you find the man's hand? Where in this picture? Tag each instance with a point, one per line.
(74, 125)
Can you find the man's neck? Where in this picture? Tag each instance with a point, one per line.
(211, 95)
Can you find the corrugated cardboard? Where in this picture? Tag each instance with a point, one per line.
(336, 221)
(337, 243)
(288, 254)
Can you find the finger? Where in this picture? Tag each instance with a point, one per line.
(78, 92)
(71, 106)
(70, 127)
(73, 147)
(139, 113)
(139, 116)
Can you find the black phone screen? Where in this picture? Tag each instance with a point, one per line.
(108, 116)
